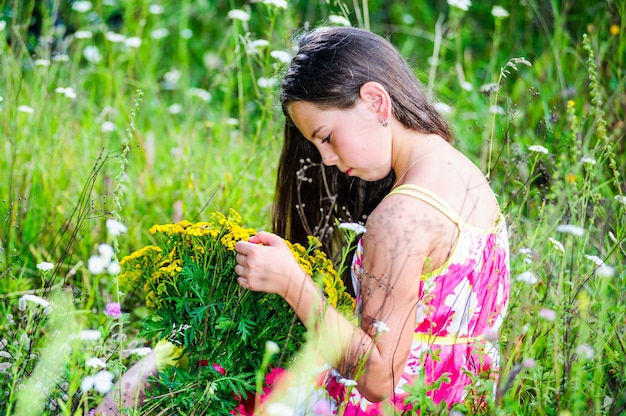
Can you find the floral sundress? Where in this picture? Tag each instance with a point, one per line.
(461, 307)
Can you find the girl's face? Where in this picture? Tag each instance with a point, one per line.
(352, 139)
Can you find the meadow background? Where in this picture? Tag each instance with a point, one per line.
(149, 112)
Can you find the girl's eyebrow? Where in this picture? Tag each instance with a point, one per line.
(314, 134)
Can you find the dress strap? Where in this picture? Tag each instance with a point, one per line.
(430, 198)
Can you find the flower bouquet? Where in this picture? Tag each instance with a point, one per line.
(189, 282)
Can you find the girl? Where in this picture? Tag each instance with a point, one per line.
(430, 274)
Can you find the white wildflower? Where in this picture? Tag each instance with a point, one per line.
(95, 362)
(499, 12)
(232, 121)
(44, 266)
(408, 19)
(204, 95)
(442, 108)
(89, 335)
(114, 268)
(256, 45)
(159, 33)
(537, 148)
(281, 4)
(25, 109)
(467, 86)
(238, 14)
(107, 126)
(571, 229)
(380, 327)
(171, 79)
(3, 25)
(281, 56)
(460, 4)
(156, 9)
(92, 54)
(81, 6)
(513, 63)
(528, 277)
(607, 402)
(621, 199)
(5, 354)
(115, 37)
(605, 271)
(585, 351)
(68, 92)
(175, 108)
(496, 109)
(33, 299)
(61, 57)
(355, 227)
(4, 367)
(42, 62)
(106, 251)
(588, 161)
(115, 228)
(271, 347)
(529, 363)
(133, 42)
(339, 20)
(101, 382)
(97, 265)
(557, 244)
(527, 253)
(488, 88)
(186, 33)
(595, 259)
(266, 82)
(83, 34)
(141, 351)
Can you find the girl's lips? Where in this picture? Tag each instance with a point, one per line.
(348, 172)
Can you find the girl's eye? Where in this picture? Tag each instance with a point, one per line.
(326, 139)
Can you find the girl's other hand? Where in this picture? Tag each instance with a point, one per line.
(265, 264)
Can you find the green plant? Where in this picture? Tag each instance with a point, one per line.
(189, 281)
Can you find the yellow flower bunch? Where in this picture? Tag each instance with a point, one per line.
(211, 244)
(317, 265)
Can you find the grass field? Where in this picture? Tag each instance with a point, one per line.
(151, 112)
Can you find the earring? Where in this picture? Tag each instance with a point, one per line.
(385, 123)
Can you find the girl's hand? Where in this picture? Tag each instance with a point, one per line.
(265, 264)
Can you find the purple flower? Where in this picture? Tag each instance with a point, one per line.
(113, 309)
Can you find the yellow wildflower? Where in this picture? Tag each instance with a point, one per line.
(614, 30)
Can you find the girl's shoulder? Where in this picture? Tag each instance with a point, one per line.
(400, 219)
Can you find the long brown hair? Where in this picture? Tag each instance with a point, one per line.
(328, 70)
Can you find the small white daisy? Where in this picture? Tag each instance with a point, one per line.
(537, 148)
(499, 12)
(238, 14)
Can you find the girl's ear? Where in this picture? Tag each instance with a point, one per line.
(375, 94)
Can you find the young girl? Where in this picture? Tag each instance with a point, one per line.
(431, 272)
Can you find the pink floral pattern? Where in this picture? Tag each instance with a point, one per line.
(466, 297)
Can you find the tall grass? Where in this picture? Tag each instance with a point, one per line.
(205, 136)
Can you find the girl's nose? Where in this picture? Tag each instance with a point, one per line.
(329, 158)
